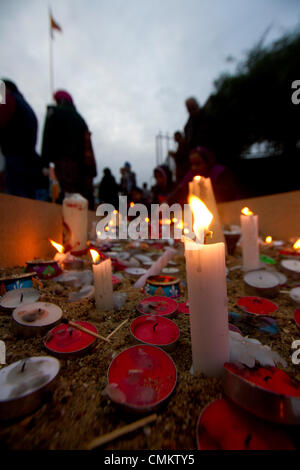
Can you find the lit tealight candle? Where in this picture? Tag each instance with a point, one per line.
(103, 282)
(250, 244)
(206, 279)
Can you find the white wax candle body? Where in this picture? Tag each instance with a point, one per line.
(250, 242)
(103, 285)
(75, 218)
(207, 293)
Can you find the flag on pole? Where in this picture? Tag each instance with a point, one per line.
(54, 25)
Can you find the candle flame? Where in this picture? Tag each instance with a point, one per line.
(246, 211)
(57, 246)
(202, 216)
(296, 245)
(132, 204)
(95, 256)
(147, 220)
(197, 178)
(269, 239)
(180, 226)
(115, 212)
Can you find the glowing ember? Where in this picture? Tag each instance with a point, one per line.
(57, 246)
(95, 256)
(246, 211)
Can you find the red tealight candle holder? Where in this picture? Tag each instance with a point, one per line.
(268, 393)
(157, 305)
(66, 342)
(224, 426)
(256, 305)
(297, 317)
(141, 378)
(156, 330)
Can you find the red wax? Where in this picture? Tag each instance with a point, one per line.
(155, 330)
(257, 305)
(224, 426)
(116, 281)
(289, 252)
(271, 379)
(297, 316)
(65, 339)
(159, 305)
(142, 376)
(184, 308)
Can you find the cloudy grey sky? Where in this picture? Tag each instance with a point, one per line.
(130, 65)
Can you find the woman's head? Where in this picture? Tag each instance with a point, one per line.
(201, 161)
(163, 176)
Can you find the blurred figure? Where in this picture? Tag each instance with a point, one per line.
(108, 189)
(137, 196)
(67, 143)
(128, 179)
(181, 156)
(198, 130)
(203, 163)
(146, 192)
(164, 184)
(18, 135)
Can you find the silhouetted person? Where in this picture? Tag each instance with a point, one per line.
(163, 186)
(128, 179)
(67, 143)
(108, 189)
(18, 135)
(146, 192)
(198, 130)
(181, 156)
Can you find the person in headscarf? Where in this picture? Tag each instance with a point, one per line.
(18, 136)
(67, 143)
(163, 186)
(203, 163)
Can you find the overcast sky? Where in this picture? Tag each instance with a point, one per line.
(130, 65)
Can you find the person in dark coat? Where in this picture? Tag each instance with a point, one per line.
(67, 143)
(198, 130)
(181, 156)
(108, 189)
(18, 136)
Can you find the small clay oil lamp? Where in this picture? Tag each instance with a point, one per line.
(14, 298)
(35, 319)
(66, 342)
(267, 392)
(157, 305)
(295, 295)
(156, 330)
(141, 378)
(261, 283)
(17, 281)
(25, 385)
(44, 269)
(163, 285)
(135, 272)
(224, 426)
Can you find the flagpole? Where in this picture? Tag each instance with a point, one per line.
(51, 58)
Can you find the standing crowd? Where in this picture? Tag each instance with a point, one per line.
(67, 161)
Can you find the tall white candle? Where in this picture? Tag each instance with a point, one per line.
(207, 293)
(250, 240)
(103, 282)
(75, 220)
